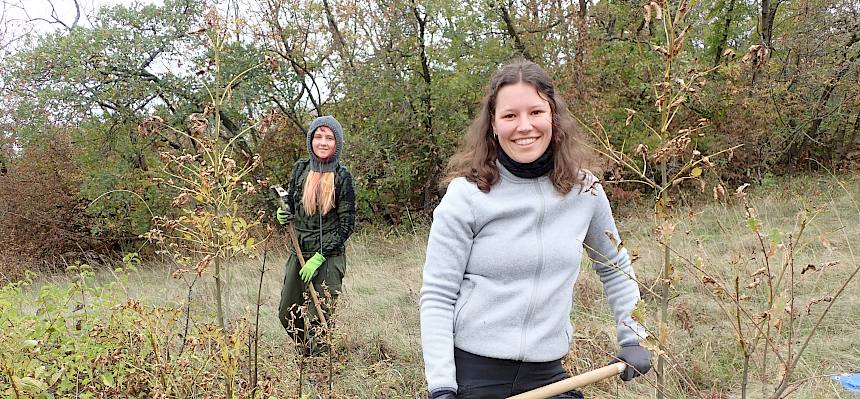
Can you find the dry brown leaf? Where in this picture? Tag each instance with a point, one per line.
(630, 114)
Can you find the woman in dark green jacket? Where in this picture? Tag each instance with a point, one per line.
(321, 205)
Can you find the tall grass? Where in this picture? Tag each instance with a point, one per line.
(377, 339)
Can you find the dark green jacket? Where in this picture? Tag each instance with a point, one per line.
(327, 233)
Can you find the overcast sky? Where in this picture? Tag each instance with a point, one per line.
(20, 17)
(25, 15)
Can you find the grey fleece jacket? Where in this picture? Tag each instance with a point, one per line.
(500, 269)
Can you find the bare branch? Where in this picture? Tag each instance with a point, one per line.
(512, 31)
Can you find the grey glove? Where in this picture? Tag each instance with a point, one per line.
(637, 358)
(443, 394)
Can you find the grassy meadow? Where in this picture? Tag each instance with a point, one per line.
(377, 338)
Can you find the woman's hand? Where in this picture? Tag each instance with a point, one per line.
(310, 268)
(638, 361)
(283, 216)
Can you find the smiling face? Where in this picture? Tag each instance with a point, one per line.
(523, 122)
(323, 142)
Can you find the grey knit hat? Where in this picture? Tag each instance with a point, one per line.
(330, 164)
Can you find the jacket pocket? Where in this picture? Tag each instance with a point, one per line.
(463, 301)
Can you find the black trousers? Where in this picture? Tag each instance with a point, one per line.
(480, 377)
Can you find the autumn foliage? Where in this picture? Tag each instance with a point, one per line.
(42, 210)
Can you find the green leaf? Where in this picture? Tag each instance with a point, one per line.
(753, 225)
(107, 380)
(638, 312)
(775, 236)
(696, 172)
(32, 385)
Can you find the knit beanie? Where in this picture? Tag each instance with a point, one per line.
(327, 165)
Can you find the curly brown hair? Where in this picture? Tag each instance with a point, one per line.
(476, 158)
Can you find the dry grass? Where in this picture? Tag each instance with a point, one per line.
(702, 338)
(378, 339)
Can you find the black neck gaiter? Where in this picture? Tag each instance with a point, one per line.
(536, 168)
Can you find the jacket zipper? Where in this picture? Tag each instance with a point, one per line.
(536, 279)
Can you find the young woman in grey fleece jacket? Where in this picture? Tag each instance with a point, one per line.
(505, 249)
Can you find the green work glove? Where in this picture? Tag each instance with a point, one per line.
(283, 216)
(310, 268)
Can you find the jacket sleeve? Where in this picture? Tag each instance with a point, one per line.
(612, 264)
(293, 186)
(345, 208)
(448, 249)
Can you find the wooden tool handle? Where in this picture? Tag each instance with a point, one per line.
(314, 297)
(577, 381)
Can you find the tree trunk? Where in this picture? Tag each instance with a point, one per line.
(339, 42)
(768, 14)
(581, 45)
(846, 143)
(512, 31)
(427, 121)
(724, 35)
(432, 165)
(802, 140)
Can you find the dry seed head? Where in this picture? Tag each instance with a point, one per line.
(827, 298)
(212, 19)
(658, 11)
(197, 124)
(178, 273)
(150, 126)
(678, 44)
(248, 187)
(682, 10)
(757, 52)
(702, 184)
(761, 270)
(678, 101)
(204, 263)
(673, 148)
(181, 200)
(229, 164)
(630, 114)
(660, 50)
(777, 324)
